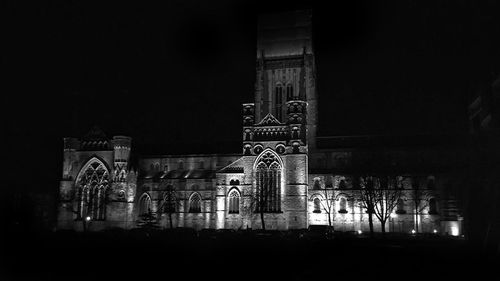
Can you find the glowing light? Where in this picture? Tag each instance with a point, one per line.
(87, 218)
(435, 231)
(454, 231)
(360, 232)
(413, 231)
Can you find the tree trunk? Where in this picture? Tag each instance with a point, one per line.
(170, 220)
(330, 219)
(382, 224)
(370, 222)
(262, 220)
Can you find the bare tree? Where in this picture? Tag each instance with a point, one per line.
(260, 199)
(327, 204)
(379, 196)
(418, 194)
(169, 204)
(368, 198)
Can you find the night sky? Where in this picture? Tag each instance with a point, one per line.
(174, 76)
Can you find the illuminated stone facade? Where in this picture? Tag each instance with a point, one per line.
(279, 155)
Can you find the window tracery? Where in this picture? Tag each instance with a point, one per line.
(92, 184)
(195, 203)
(268, 176)
(144, 204)
(234, 202)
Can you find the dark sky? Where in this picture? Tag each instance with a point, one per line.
(177, 73)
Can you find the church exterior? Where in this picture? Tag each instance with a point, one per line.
(282, 160)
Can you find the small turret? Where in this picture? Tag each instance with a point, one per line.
(121, 147)
(248, 122)
(296, 121)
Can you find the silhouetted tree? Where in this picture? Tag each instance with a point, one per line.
(258, 200)
(379, 196)
(368, 198)
(169, 204)
(328, 203)
(418, 195)
(148, 221)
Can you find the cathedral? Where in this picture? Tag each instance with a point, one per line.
(285, 176)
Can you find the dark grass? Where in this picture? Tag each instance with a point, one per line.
(126, 255)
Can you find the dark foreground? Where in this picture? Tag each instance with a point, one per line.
(184, 255)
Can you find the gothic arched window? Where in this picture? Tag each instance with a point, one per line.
(234, 202)
(144, 204)
(268, 177)
(92, 183)
(317, 205)
(289, 92)
(342, 184)
(316, 185)
(343, 205)
(400, 207)
(432, 206)
(195, 203)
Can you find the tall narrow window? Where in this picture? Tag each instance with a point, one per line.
(234, 202)
(343, 206)
(432, 206)
(400, 207)
(92, 183)
(316, 184)
(278, 100)
(289, 92)
(195, 203)
(317, 205)
(144, 204)
(268, 176)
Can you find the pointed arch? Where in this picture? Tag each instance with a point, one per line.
(144, 204)
(195, 203)
(92, 183)
(268, 169)
(342, 205)
(267, 155)
(401, 206)
(433, 210)
(317, 205)
(234, 201)
(92, 159)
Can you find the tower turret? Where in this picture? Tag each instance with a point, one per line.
(121, 147)
(297, 121)
(248, 122)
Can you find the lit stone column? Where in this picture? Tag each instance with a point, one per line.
(220, 199)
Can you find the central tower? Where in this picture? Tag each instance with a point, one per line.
(285, 67)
